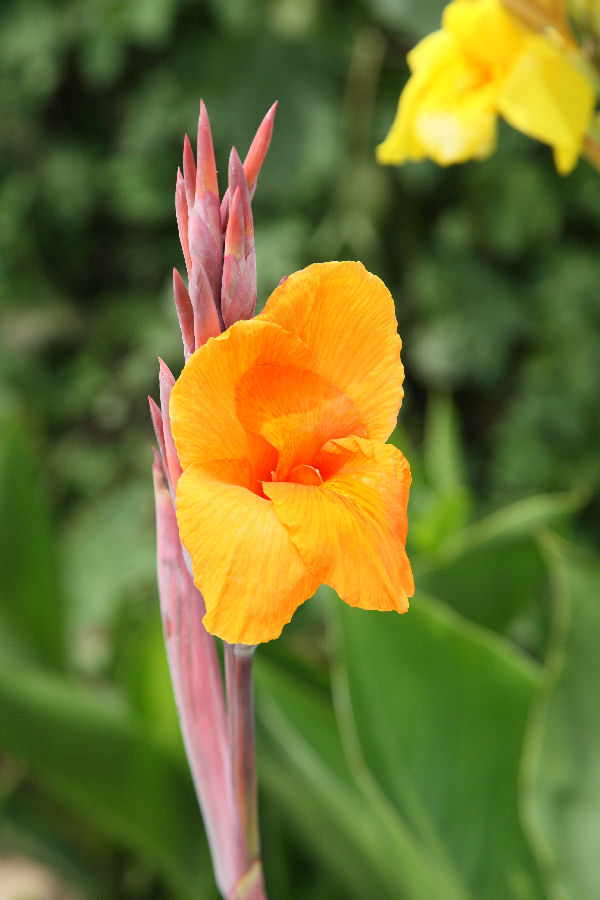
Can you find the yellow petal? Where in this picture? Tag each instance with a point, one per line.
(351, 530)
(486, 32)
(446, 111)
(244, 563)
(565, 158)
(548, 98)
(346, 317)
(431, 55)
(295, 410)
(453, 128)
(401, 142)
(203, 411)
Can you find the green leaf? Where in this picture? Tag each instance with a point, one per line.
(147, 682)
(563, 763)
(439, 519)
(103, 766)
(344, 820)
(522, 518)
(491, 584)
(442, 446)
(492, 571)
(30, 607)
(97, 572)
(437, 708)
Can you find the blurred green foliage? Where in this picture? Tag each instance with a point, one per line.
(449, 753)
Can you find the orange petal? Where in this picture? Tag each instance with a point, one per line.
(305, 475)
(244, 563)
(296, 410)
(351, 530)
(346, 316)
(204, 419)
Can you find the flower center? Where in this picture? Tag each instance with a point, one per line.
(304, 474)
(296, 411)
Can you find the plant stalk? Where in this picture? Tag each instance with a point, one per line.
(240, 719)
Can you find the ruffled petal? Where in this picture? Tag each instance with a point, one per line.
(346, 316)
(548, 98)
(434, 52)
(244, 563)
(446, 111)
(456, 121)
(486, 32)
(203, 411)
(351, 530)
(295, 410)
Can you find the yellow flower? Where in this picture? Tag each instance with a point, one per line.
(280, 424)
(484, 63)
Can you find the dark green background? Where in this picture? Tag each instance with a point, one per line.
(450, 753)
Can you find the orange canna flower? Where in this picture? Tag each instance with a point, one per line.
(279, 425)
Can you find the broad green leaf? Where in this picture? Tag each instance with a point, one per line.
(30, 608)
(147, 682)
(563, 764)
(438, 709)
(98, 574)
(97, 761)
(301, 767)
(522, 518)
(490, 584)
(492, 570)
(346, 821)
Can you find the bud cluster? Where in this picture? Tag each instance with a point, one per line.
(217, 239)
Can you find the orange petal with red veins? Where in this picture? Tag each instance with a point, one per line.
(295, 410)
(346, 316)
(204, 418)
(350, 531)
(245, 565)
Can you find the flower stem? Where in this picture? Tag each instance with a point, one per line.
(251, 886)
(240, 717)
(198, 689)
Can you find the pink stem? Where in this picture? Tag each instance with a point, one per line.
(240, 717)
(198, 690)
